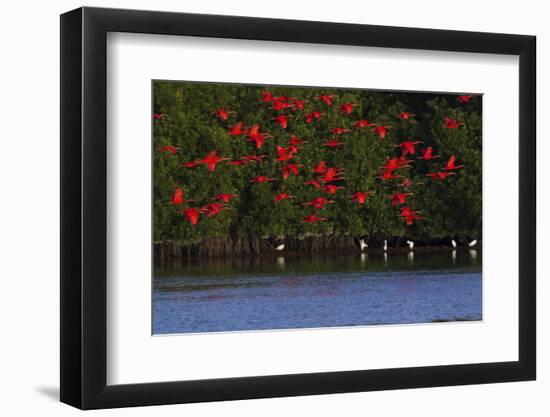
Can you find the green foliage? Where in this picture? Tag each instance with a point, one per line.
(450, 208)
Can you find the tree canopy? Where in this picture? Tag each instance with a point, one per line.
(192, 128)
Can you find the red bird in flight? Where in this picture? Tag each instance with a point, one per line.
(290, 169)
(315, 183)
(360, 124)
(463, 99)
(296, 141)
(310, 117)
(313, 219)
(326, 98)
(339, 130)
(346, 108)
(320, 168)
(159, 116)
(333, 144)
(331, 175)
(439, 176)
(451, 123)
(319, 202)
(177, 196)
(331, 188)
(381, 131)
(282, 120)
(223, 114)
(260, 179)
(212, 160)
(192, 215)
(408, 147)
(212, 209)
(298, 104)
(237, 129)
(405, 115)
(170, 149)
(226, 198)
(450, 166)
(360, 197)
(399, 198)
(283, 196)
(427, 154)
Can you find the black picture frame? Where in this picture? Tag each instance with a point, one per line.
(84, 207)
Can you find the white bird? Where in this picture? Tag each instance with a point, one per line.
(385, 245)
(280, 247)
(410, 243)
(453, 242)
(363, 244)
(472, 243)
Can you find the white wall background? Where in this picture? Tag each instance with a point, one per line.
(29, 226)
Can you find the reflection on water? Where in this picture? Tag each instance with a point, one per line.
(284, 292)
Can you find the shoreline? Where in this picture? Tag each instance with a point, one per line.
(177, 252)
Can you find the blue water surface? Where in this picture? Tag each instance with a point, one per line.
(312, 291)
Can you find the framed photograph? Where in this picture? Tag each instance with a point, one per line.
(258, 208)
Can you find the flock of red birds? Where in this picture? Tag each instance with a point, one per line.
(328, 179)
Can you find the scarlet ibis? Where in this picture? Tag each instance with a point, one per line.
(439, 176)
(346, 108)
(212, 160)
(310, 117)
(331, 188)
(170, 149)
(333, 144)
(267, 96)
(360, 124)
(463, 99)
(237, 162)
(226, 198)
(313, 219)
(283, 196)
(319, 202)
(399, 198)
(409, 216)
(450, 166)
(360, 197)
(258, 139)
(451, 123)
(177, 196)
(388, 175)
(314, 183)
(212, 209)
(405, 115)
(290, 169)
(237, 129)
(320, 168)
(159, 116)
(285, 154)
(298, 104)
(328, 99)
(427, 154)
(296, 141)
(381, 131)
(280, 104)
(472, 243)
(260, 179)
(191, 164)
(331, 175)
(408, 147)
(282, 120)
(223, 114)
(395, 163)
(339, 130)
(253, 158)
(192, 214)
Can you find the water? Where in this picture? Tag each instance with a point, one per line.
(316, 291)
